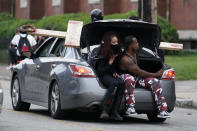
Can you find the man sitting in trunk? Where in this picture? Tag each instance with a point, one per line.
(134, 76)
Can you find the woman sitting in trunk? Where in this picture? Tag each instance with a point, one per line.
(106, 70)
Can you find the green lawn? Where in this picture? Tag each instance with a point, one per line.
(185, 66)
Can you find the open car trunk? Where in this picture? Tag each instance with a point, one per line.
(148, 36)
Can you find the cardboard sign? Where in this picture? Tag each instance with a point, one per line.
(170, 46)
(73, 33)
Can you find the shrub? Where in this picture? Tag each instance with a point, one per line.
(59, 22)
(5, 16)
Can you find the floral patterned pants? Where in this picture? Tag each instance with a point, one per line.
(150, 83)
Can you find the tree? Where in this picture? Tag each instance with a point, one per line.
(147, 10)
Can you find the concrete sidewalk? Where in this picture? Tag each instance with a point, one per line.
(186, 91)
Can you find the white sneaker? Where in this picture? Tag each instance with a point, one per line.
(163, 114)
(131, 112)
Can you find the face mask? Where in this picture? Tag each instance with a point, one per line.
(115, 48)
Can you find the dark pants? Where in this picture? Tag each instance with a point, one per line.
(12, 55)
(115, 90)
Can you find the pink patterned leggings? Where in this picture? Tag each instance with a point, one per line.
(150, 83)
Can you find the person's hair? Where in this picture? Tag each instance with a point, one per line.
(128, 40)
(106, 50)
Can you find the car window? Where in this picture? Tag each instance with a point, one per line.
(58, 49)
(46, 48)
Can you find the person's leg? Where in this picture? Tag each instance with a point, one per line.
(153, 84)
(107, 81)
(129, 93)
(12, 55)
(112, 97)
(119, 85)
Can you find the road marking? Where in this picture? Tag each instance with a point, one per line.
(64, 122)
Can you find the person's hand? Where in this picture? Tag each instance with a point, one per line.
(159, 73)
(111, 60)
(116, 75)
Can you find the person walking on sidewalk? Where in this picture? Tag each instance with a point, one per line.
(22, 46)
(134, 76)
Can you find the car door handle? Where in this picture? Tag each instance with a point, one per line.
(53, 66)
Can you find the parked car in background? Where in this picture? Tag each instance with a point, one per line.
(1, 98)
(60, 78)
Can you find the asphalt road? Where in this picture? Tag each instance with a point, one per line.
(38, 119)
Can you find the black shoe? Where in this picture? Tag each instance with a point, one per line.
(116, 116)
(104, 115)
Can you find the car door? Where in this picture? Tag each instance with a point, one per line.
(44, 64)
(33, 78)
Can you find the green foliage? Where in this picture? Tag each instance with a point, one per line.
(169, 32)
(5, 16)
(121, 16)
(59, 22)
(185, 65)
(9, 24)
(9, 27)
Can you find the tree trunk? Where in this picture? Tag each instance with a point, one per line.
(147, 10)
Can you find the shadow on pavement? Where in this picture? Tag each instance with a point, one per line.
(85, 117)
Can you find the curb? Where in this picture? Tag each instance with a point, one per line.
(184, 103)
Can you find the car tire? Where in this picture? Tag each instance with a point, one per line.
(154, 118)
(54, 101)
(17, 103)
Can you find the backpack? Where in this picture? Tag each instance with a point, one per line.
(94, 57)
(24, 45)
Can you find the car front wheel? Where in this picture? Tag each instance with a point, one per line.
(17, 103)
(54, 101)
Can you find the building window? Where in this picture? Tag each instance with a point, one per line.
(134, 0)
(56, 2)
(93, 1)
(23, 3)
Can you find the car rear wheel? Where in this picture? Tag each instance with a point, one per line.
(154, 118)
(17, 103)
(54, 101)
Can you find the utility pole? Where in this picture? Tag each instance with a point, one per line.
(147, 10)
(13, 7)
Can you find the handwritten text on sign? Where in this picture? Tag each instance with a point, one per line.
(73, 33)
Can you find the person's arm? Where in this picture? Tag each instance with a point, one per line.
(32, 42)
(131, 67)
(14, 41)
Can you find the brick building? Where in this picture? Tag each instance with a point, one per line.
(6, 6)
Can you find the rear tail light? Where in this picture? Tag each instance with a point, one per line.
(81, 71)
(168, 74)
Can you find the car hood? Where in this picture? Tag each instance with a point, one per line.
(148, 35)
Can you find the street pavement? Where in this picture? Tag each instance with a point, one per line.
(38, 119)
